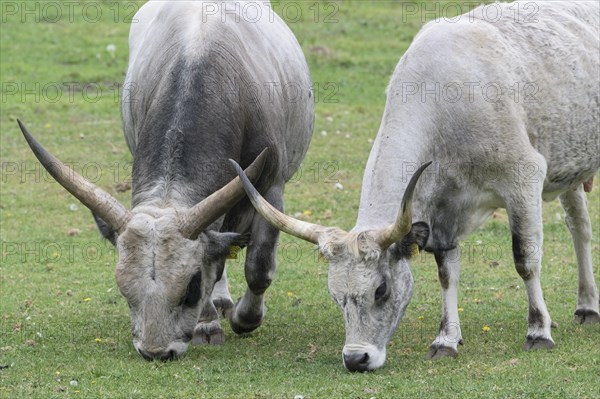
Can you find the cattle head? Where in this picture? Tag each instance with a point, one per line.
(168, 261)
(369, 272)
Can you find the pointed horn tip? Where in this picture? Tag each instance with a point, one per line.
(423, 167)
(246, 184)
(263, 153)
(235, 165)
(392, 234)
(415, 178)
(259, 163)
(238, 170)
(33, 143)
(23, 128)
(260, 160)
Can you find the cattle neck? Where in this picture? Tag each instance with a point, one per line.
(160, 197)
(396, 155)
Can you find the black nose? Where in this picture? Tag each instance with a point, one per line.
(160, 355)
(356, 361)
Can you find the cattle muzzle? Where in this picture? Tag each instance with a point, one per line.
(162, 355)
(362, 357)
(356, 361)
(174, 351)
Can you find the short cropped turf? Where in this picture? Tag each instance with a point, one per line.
(64, 327)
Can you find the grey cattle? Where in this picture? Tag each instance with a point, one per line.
(203, 85)
(508, 111)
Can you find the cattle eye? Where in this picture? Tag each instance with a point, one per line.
(192, 295)
(380, 291)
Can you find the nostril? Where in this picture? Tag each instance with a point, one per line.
(356, 361)
(365, 359)
(166, 355)
(159, 355)
(171, 355)
(146, 355)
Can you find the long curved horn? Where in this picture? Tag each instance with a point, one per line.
(97, 200)
(389, 235)
(304, 230)
(201, 215)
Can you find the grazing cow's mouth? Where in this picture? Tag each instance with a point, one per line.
(164, 356)
(362, 357)
(174, 351)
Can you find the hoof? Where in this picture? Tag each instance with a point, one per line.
(244, 323)
(208, 333)
(533, 343)
(587, 316)
(241, 325)
(224, 306)
(437, 351)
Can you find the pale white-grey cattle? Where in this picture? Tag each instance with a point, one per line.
(506, 105)
(206, 81)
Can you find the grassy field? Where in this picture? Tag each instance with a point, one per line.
(64, 327)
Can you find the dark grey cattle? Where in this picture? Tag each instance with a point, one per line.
(202, 86)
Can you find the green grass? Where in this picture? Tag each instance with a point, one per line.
(63, 319)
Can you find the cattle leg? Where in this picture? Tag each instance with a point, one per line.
(449, 336)
(250, 310)
(221, 297)
(525, 217)
(578, 221)
(208, 330)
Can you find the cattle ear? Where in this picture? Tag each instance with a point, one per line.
(222, 245)
(106, 231)
(225, 244)
(416, 238)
